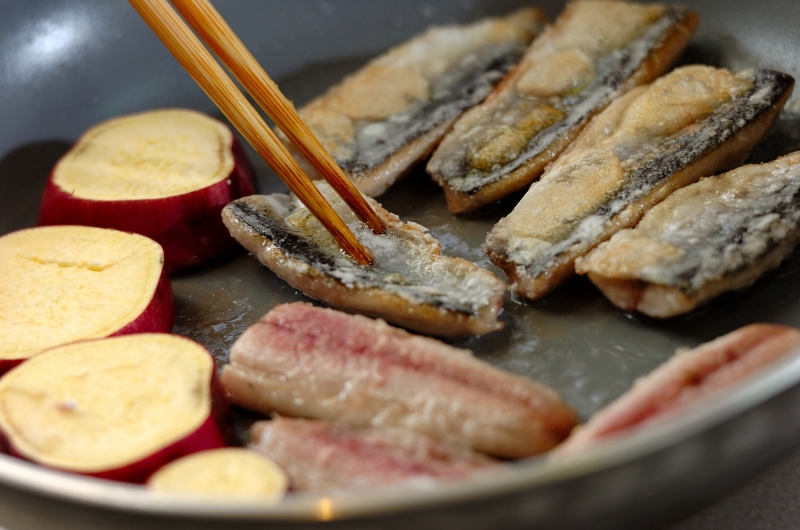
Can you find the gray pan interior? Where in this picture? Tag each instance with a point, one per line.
(67, 65)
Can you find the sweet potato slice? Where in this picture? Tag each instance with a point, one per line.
(115, 408)
(61, 284)
(165, 174)
(229, 472)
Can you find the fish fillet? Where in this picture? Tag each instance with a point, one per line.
(411, 284)
(681, 382)
(304, 361)
(691, 123)
(713, 236)
(595, 52)
(321, 456)
(381, 120)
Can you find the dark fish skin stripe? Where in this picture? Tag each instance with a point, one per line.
(613, 71)
(265, 226)
(679, 152)
(469, 90)
(684, 279)
(263, 222)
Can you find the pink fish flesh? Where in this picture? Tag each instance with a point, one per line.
(304, 361)
(323, 456)
(687, 378)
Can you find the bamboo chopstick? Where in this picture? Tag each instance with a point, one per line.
(216, 33)
(197, 60)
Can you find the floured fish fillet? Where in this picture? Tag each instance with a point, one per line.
(688, 377)
(393, 112)
(411, 284)
(300, 360)
(713, 236)
(321, 456)
(595, 52)
(691, 123)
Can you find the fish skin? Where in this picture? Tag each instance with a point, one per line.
(320, 456)
(612, 47)
(304, 361)
(684, 381)
(625, 162)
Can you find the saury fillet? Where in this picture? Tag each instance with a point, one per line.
(594, 53)
(300, 360)
(382, 119)
(685, 379)
(411, 283)
(694, 122)
(321, 456)
(716, 235)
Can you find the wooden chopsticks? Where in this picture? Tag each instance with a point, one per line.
(196, 59)
(216, 33)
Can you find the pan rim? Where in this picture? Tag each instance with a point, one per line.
(658, 435)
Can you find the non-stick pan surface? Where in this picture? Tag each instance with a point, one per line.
(67, 65)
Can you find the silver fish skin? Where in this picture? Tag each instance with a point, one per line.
(304, 361)
(693, 122)
(325, 457)
(411, 284)
(684, 381)
(716, 235)
(379, 121)
(595, 52)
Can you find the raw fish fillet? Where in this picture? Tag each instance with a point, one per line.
(684, 380)
(304, 361)
(321, 456)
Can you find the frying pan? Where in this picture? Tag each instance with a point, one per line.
(66, 65)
